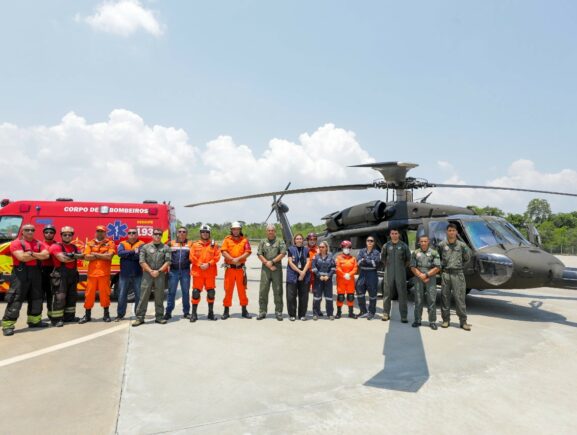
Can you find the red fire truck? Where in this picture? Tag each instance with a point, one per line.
(84, 217)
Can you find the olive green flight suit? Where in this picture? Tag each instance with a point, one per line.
(269, 250)
(424, 261)
(395, 257)
(453, 258)
(155, 256)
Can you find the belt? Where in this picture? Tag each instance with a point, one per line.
(369, 268)
(180, 268)
(453, 270)
(233, 266)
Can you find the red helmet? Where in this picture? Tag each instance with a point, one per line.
(346, 244)
(311, 236)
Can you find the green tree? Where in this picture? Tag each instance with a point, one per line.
(538, 210)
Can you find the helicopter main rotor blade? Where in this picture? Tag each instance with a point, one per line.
(289, 192)
(286, 188)
(470, 186)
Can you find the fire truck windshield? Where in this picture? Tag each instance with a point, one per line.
(9, 227)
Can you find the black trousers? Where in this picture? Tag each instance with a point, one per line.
(25, 285)
(47, 294)
(64, 283)
(297, 298)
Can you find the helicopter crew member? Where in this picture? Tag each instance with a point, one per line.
(64, 278)
(47, 266)
(271, 252)
(154, 259)
(204, 256)
(99, 252)
(313, 251)
(454, 254)
(323, 268)
(346, 268)
(26, 281)
(235, 249)
(425, 265)
(130, 271)
(297, 279)
(179, 273)
(396, 256)
(368, 260)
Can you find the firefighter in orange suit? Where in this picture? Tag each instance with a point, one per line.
(235, 250)
(204, 256)
(346, 270)
(98, 252)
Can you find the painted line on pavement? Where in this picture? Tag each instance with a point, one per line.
(66, 344)
(56, 347)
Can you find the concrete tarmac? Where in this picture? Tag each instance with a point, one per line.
(513, 373)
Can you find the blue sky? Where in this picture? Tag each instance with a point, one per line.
(466, 89)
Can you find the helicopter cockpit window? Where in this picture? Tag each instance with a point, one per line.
(438, 232)
(494, 232)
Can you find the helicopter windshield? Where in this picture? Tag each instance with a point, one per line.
(493, 232)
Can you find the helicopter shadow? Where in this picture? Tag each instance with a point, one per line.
(497, 308)
(405, 367)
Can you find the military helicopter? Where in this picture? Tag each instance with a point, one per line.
(501, 256)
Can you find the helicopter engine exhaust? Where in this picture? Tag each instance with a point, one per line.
(565, 278)
(369, 212)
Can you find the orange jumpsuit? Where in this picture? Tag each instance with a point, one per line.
(98, 273)
(346, 264)
(204, 251)
(235, 273)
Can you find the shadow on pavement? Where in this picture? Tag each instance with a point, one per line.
(405, 360)
(502, 309)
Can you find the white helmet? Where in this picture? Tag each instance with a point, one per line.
(205, 227)
(235, 224)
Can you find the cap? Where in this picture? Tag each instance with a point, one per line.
(100, 228)
(235, 224)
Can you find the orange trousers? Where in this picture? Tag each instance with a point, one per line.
(99, 284)
(345, 287)
(232, 277)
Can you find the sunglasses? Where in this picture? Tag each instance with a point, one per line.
(205, 232)
(131, 232)
(183, 231)
(157, 234)
(49, 232)
(370, 241)
(67, 234)
(28, 230)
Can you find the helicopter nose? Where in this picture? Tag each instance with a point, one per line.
(535, 266)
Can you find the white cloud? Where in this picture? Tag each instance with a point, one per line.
(125, 159)
(124, 18)
(520, 174)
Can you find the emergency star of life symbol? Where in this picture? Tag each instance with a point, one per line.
(117, 230)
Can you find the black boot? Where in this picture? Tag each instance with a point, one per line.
(194, 316)
(106, 316)
(211, 312)
(245, 313)
(352, 313)
(86, 317)
(225, 315)
(339, 313)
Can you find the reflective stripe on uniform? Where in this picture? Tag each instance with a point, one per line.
(35, 319)
(8, 324)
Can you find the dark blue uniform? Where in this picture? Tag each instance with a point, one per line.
(368, 279)
(323, 267)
